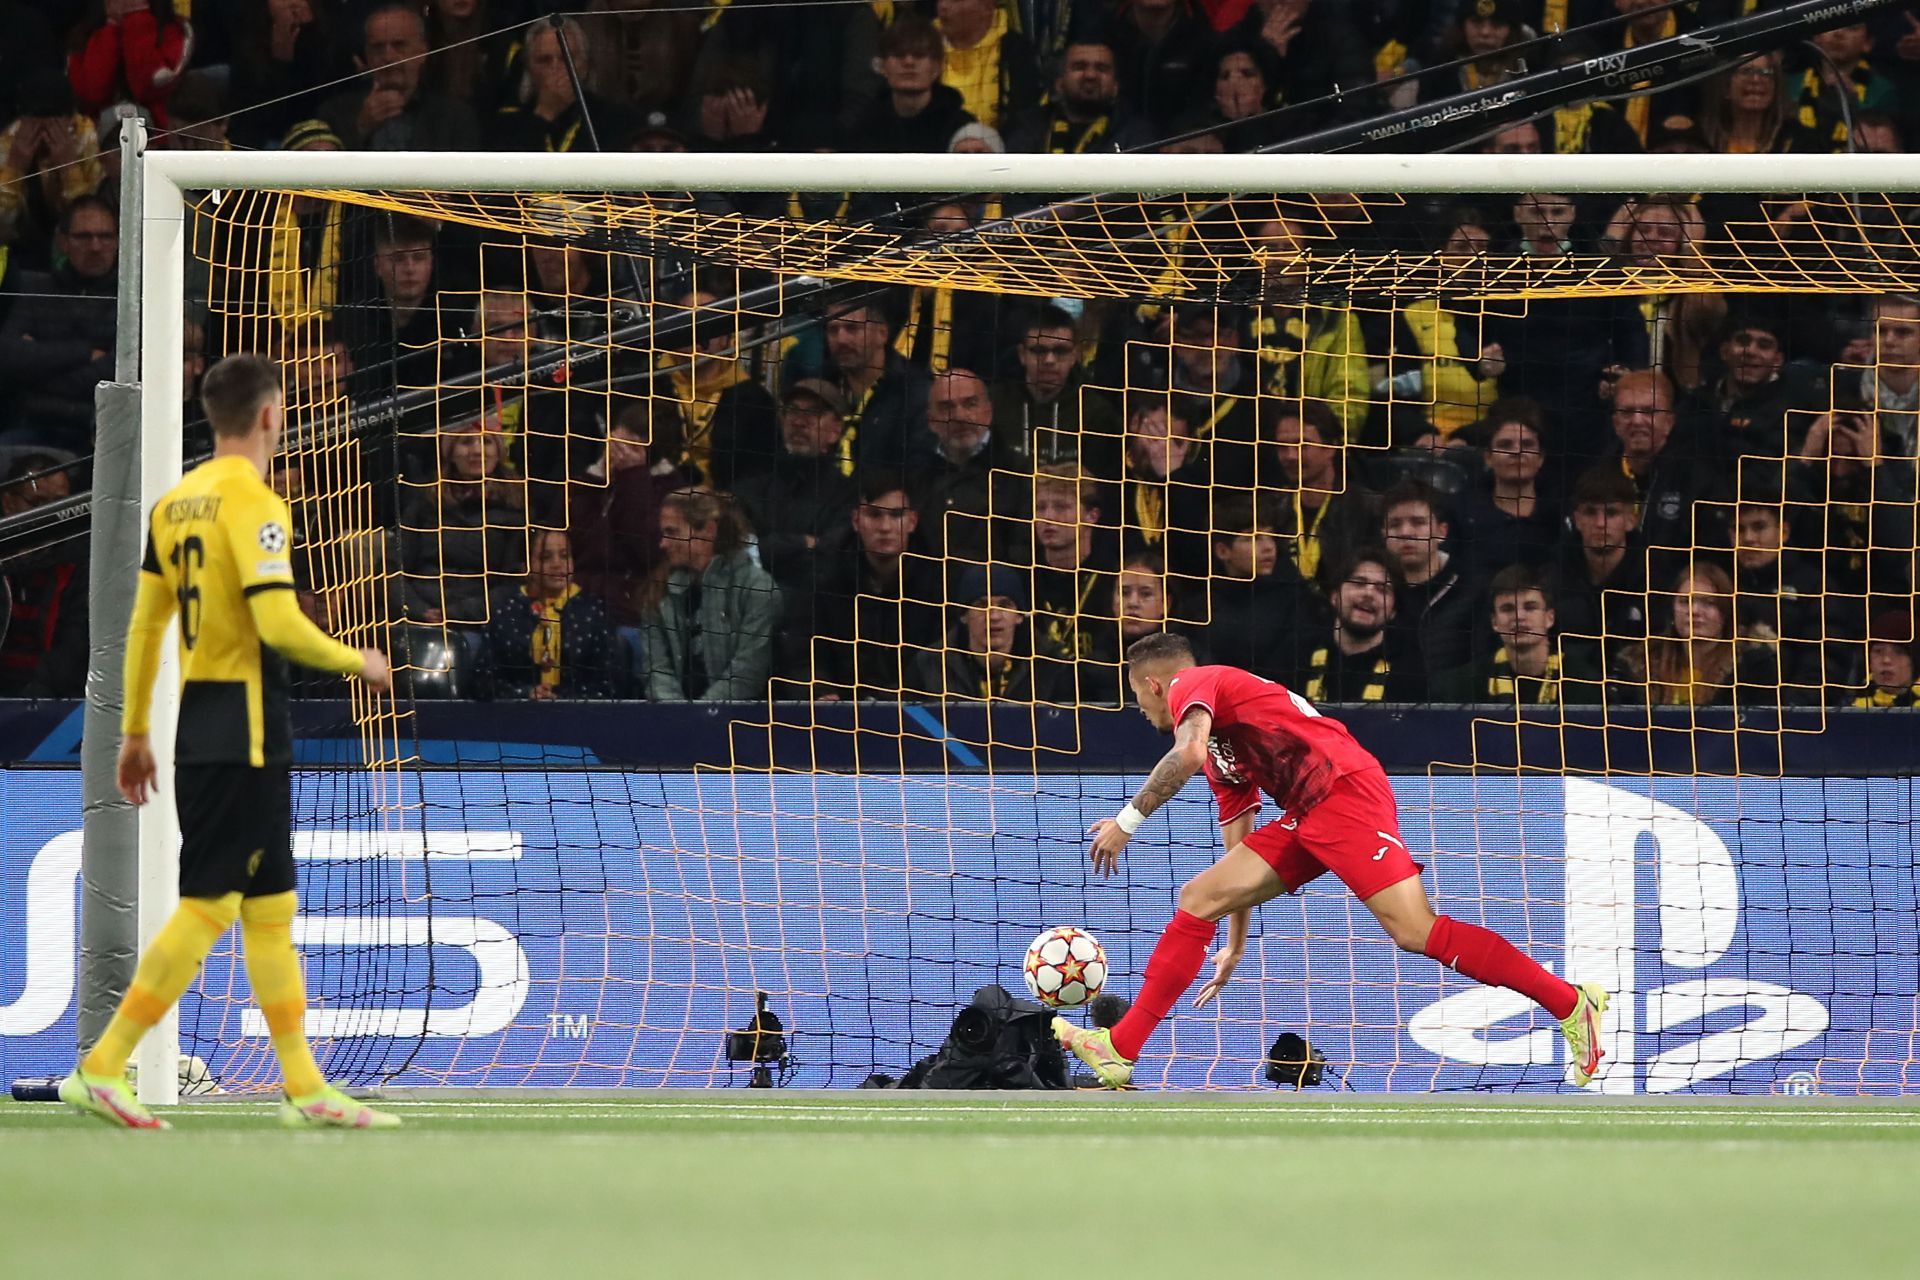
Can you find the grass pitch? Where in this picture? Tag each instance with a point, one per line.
(794, 1184)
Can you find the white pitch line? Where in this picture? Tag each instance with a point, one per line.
(1429, 1113)
(901, 1116)
(1425, 1117)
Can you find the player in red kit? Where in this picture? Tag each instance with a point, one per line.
(1336, 814)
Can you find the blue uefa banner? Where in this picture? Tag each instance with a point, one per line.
(603, 929)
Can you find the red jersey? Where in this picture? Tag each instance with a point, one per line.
(1267, 738)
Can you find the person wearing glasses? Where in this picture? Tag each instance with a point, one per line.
(1049, 415)
(57, 343)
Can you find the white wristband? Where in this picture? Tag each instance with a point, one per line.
(1129, 819)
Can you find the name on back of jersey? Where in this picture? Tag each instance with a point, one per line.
(205, 506)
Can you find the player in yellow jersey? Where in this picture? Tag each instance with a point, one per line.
(218, 554)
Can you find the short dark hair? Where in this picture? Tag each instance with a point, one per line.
(874, 307)
(1524, 410)
(391, 6)
(1410, 491)
(234, 390)
(1368, 555)
(1517, 578)
(1604, 485)
(99, 204)
(1161, 646)
(1049, 318)
(1235, 515)
(912, 33)
(1317, 414)
(390, 229)
(877, 483)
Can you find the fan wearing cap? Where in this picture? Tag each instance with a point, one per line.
(988, 655)
(304, 248)
(1743, 412)
(1892, 680)
(801, 499)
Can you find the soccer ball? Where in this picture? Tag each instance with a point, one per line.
(1065, 967)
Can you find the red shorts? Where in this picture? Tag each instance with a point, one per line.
(1354, 833)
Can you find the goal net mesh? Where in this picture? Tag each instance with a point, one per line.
(1099, 418)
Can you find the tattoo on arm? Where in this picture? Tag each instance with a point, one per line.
(1178, 765)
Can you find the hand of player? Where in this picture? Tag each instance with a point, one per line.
(1225, 960)
(375, 671)
(136, 774)
(1108, 841)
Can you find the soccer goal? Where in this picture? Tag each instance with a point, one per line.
(598, 897)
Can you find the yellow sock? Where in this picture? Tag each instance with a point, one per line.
(165, 972)
(273, 967)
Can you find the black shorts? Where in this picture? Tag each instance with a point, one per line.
(236, 829)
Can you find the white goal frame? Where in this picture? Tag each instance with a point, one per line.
(165, 177)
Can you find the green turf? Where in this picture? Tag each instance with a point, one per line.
(798, 1185)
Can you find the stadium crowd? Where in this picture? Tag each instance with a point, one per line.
(925, 493)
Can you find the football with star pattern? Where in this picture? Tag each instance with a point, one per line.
(1065, 967)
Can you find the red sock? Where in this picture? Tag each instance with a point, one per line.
(1485, 956)
(1171, 969)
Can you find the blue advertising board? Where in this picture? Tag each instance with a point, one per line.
(600, 928)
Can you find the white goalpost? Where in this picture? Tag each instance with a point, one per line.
(167, 178)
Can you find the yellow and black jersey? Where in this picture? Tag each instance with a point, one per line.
(218, 554)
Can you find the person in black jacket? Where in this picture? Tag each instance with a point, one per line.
(58, 341)
(1599, 583)
(1255, 598)
(886, 397)
(802, 501)
(1143, 600)
(969, 512)
(1084, 114)
(1325, 512)
(1662, 456)
(988, 655)
(1164, 497)
(874, 608)
(1526, 666)
(1360, 658)
(917, 112)
(1439, 608)
(1160, 51)
(727, 423)
(546, 638)
(1074, 562)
